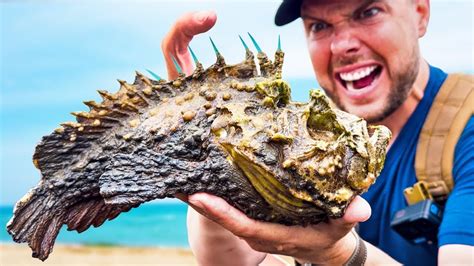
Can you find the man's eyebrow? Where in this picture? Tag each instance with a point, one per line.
(358, 10)
(311, 17)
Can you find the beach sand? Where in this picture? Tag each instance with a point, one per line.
(20, 254)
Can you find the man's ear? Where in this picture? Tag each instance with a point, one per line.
(423, 12)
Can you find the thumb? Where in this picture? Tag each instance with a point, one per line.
(177, 40)
(197, 22)
(358, 211)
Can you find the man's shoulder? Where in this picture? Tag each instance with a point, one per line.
(445, 131)
(459, 209)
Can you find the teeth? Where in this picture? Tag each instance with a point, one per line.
(350, 86)
(357, 74)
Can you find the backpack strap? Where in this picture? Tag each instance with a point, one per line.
(448, 115)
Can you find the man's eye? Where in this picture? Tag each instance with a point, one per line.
(370, 12)
(318, 26)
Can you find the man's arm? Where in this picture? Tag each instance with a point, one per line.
(214, 245)
(456, 255)
(456, 235)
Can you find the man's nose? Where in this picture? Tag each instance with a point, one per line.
(344, 43)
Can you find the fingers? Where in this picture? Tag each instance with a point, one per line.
(237, 222)
(177, 40)
(323, 241)
(240, 225)
(221, 212)
(195, 23)
(358, 211)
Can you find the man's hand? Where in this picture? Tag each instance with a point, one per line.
(177, 40)
(325, 243)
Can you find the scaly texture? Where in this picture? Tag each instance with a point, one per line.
(226, 130)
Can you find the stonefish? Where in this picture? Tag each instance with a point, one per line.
(228, 130)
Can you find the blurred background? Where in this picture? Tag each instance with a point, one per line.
(55, 54)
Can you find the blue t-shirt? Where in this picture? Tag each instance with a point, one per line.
(386, 195)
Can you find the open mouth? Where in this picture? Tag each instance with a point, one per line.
(359, 78)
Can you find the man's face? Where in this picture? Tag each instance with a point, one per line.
(364, 52)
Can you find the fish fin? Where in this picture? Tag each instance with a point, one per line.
(93, 212)
(33, 223)
(38, 218)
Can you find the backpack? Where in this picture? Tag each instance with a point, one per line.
(452, 108)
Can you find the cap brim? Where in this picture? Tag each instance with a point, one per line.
(288, 11)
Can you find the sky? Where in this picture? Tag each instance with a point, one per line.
(55, 54)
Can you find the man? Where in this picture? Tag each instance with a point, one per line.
(366, 57)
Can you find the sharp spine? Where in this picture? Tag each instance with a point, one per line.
(143, 78)
(153, 74)
(93, 104)
(254, 43)
(243, 43)
(196, 61)
(214, 46)
(176, 65)
(140, 75)
(279, 44)
(106, 95)
(128, 87)
(83, 114)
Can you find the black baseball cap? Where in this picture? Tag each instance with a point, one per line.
(288, 11)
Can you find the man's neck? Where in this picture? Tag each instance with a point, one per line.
(398, 119)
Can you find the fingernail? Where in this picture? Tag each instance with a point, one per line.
(201, 16)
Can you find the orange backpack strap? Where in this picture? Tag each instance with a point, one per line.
(449, 114)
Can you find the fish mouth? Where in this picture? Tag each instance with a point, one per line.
(357, 79)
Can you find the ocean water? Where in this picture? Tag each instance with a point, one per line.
(151, 224)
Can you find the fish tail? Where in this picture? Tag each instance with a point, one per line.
(38, 217)
(34, 222)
